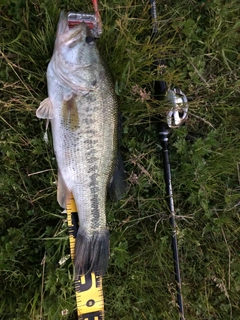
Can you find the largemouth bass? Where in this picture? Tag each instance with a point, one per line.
(83, 111)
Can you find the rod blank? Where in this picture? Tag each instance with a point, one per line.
(164, 133)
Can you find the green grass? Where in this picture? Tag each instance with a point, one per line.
(200, 41)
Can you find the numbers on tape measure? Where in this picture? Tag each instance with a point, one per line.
(89, 293)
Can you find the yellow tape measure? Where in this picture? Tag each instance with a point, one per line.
(88, 288)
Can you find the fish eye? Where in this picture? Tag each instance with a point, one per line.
(89, 39)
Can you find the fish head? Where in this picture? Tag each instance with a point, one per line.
(74, 46)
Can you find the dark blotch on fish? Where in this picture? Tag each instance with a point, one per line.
(70, 112)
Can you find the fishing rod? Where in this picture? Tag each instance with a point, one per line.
(164, 134)
(175, 117)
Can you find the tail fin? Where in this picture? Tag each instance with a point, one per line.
(91, 252)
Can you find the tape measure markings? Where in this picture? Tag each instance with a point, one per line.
(88, 288)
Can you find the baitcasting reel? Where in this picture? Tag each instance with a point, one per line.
(178, 113)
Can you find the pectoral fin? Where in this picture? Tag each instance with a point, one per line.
(118, 184)
(62, 191)
(45, 110)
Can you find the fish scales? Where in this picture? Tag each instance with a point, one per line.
(87, 164)
(83, 111)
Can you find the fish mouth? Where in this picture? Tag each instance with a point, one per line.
(68, 35)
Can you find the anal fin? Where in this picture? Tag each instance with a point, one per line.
(62, 191)
(118, 184)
